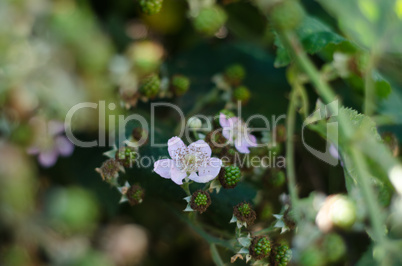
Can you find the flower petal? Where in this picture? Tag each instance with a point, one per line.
(200, 146)
(252, 140)
(226, 132)
(223, 121)
(241, 145)
(162, 167)
(55, 127)
(177, 175)
(64, 146)
(176, 148)
(209, 171)
(48, 158)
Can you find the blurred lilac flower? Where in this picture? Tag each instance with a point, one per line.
(187, 161)
(51, 144)
(236, 131)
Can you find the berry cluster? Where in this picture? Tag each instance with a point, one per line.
(260, 247)
(135, 195)
(150, 86)
(126, 156)
(281, 255)
(180, 84)
(151, 7)
(210, 20)
(244, 213)
(229, 176)
(200, 201)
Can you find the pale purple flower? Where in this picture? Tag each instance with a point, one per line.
(193, 162)
(237, 132)
(51, 145)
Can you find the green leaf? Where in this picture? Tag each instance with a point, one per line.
(369, 22)
(314, 36)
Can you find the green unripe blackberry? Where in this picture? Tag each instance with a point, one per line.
(235, 74)
(180, 84)
(242, 93)
(312, 257)
(281, 254)
(334, 246)
(126, 156)
(150, 86)
(151, 7)
(109, 170)
(278, 178)
(260, 247)
(244, 213)
(135, 195)
(210, 20)
(200, 201)
(287, 15)
(229, 176)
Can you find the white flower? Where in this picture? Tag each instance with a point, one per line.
(188, 161)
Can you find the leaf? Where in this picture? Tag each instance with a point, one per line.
(369, 22)
(314, 36)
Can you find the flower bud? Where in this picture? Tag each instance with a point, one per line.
(234, 74)
(194, 123)
(180, 84)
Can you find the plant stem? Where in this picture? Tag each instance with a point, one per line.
(290, 168)
(186, 188)
(377, 222)
(325, 91)
(215, 255)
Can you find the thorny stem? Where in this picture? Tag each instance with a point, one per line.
(290, 168)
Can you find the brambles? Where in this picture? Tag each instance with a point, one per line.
(180, 84)
(235, 74)
(287, 15)
(150, 86)
(209, 20)
(200, 201)
(109, 170)
(260, 247)
(126, 156)
(281, 254)
(229, 176)
(151, 7)
(242, 93)
(244, 213)
(135, 195)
